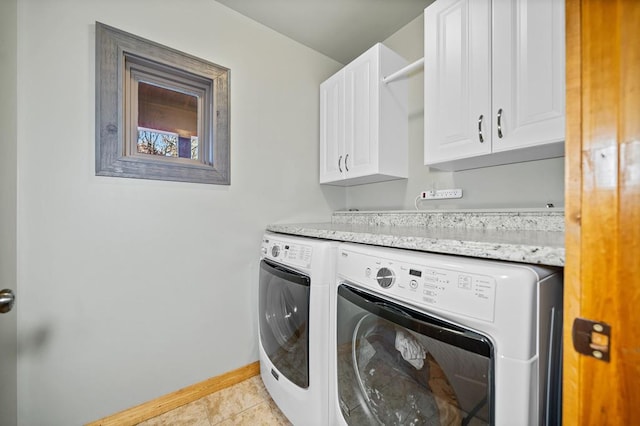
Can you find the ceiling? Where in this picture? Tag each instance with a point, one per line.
(340, 29)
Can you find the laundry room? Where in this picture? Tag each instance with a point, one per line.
(137, 287)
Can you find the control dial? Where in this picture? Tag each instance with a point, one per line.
(385, 277)
(275, 251)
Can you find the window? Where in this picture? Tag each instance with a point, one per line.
(160, 114)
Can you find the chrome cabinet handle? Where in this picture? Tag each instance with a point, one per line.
(500, 123)
(346, 166)
(480, 129)
(340, 164)
(7, 299)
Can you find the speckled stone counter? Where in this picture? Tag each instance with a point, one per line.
(526, 236)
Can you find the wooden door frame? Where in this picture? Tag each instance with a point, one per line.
(602, 195)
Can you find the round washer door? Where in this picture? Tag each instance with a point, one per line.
(284, 320)
(284, 314)
(396, 365)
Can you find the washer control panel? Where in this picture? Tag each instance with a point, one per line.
(293, 254)
(434, 284)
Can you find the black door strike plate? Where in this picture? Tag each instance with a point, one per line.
(592, 338)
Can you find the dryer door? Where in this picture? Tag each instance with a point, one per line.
(399, 366)
(284, 320)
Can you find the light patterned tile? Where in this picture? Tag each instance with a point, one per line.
(258, 385)
(282, 419)
(264, 414)
(234, 400)
(192, 414)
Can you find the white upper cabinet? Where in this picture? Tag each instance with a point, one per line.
(494, 82)
(457, 71)
(364, 122)
(528, 72)
(332, 128)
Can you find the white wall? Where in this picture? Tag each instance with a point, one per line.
(8, 200)
(531, 184)
(131, 289)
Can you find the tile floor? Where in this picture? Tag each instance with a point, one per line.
(247, 403)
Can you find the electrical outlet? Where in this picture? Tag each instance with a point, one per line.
(441, 194)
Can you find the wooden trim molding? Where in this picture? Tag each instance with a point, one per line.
(573, 213)
(153, 408)
(602, 272)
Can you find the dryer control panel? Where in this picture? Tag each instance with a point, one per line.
(435, 284)
(286, 252)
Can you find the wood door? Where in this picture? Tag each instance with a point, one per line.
(602, 274)
(457, 86)
(332, 128)
(528, 69)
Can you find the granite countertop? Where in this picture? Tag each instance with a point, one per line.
(526, 236)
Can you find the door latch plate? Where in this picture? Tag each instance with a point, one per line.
(592, 338)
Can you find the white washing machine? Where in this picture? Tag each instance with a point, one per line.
(420, 338)
(296, 275)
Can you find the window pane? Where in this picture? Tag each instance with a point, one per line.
(194, 147)
(157, 142)
(167, 122)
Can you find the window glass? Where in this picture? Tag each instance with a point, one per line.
(167, 122)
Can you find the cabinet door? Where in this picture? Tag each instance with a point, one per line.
(528, 73)
(361, 114)
(457, 70)
(332, 129)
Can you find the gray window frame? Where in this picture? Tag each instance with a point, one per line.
(123, 59)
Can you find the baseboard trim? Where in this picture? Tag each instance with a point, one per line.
(161, 405)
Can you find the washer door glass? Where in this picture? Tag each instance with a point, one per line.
(397, 366)
(284, 320)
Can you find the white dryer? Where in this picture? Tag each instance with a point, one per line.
(296, 275)
(420, 338)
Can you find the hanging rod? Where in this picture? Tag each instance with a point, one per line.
(404, 71)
